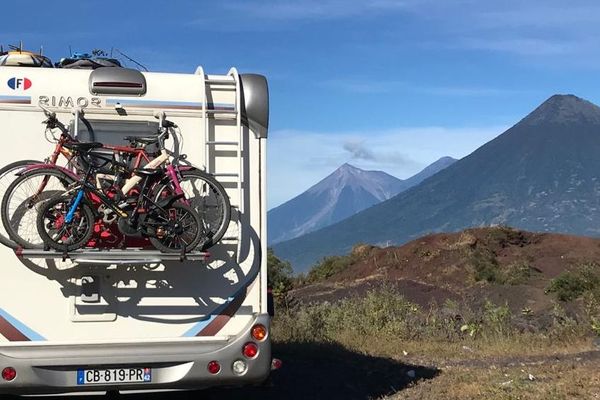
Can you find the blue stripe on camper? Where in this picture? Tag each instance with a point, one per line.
(25, 330)
(15, 99)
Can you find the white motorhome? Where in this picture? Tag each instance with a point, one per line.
(140, 321)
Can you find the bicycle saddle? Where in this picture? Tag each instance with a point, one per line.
(142, 139)
(147, 171)
(83, 146)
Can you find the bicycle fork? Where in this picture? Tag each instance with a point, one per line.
(71, 213)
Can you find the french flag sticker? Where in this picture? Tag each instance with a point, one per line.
(19, 83)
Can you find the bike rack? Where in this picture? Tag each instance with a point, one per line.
(112, 257)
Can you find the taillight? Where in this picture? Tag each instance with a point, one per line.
(259, 332)
(214, 367)
(276, 363)
(9, 373)
(250, 350)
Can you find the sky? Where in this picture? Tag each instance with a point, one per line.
(388, 85)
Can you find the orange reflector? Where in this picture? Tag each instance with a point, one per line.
(259, 332)
(250, 350)
(9, 373)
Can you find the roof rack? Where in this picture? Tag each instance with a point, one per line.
(120, 257)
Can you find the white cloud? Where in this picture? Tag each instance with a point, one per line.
(299, 159)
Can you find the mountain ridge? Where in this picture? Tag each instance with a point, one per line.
(540, 175)
(339, 195)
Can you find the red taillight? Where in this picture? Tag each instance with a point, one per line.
(214, 367)
(259, 332)
(9, 373)
(250, 350)
(276, 363)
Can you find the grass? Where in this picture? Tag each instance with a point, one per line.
(384, 314)
(491, 358)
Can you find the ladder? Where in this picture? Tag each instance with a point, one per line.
(218, 114)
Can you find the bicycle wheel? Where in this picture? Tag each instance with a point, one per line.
(23, 199)
(176, 229)
(57, 233)
(7, 175)
(210, 200)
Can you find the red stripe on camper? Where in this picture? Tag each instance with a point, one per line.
(10, 332)
(222, 319)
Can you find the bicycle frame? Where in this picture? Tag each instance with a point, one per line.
(89, 189)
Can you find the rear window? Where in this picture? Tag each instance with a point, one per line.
(113, 132)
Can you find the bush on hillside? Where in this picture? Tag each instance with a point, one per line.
(328, 267)
(572, 284)
(279, 274)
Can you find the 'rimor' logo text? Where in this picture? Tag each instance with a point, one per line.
(19, 83)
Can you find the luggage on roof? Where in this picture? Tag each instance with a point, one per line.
(22, 58)
(88, 61)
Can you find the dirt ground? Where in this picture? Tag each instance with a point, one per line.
(330, 371)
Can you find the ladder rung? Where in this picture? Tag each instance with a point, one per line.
(229, 238)
(212, 111)
(223, 143)
(220, 81)
(225, 175)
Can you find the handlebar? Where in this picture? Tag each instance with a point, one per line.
(52, 122)
(49, 114)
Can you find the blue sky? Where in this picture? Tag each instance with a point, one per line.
(382, 84)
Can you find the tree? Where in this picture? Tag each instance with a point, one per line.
(279, 274)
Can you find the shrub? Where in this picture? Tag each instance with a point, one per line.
(328, 267)
(517, 273)
(506, 236)
(279, 274)
(485, 265)
(570, 285)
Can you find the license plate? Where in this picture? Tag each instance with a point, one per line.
(113, 375)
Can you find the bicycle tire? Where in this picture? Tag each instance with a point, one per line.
(42, 223)
(8, 174)
(215, 223)
(194, 220)
(20, 217)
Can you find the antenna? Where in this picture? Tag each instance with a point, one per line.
(131, 59)
(41, 50)
(20, 46)
(70, 51)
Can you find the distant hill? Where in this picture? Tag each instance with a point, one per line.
(543, 174)
(343, 193)
(499, 264)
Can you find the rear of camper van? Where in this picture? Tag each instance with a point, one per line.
(130, 320)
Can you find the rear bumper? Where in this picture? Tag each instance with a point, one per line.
(52, 369)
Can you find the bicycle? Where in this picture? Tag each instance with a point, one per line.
(65, 222)
(22, 198)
